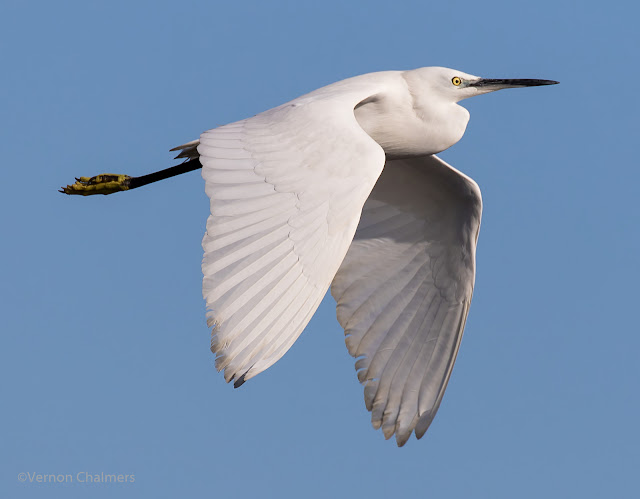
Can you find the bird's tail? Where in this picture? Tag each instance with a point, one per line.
(188, 150)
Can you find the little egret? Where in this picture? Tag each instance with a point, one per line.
(341, 187)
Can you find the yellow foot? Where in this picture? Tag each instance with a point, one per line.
(107, 183)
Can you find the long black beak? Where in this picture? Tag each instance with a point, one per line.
(487, 82)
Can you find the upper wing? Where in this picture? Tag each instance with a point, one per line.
(286, 187)
(405, 286)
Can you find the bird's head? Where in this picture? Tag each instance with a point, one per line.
(454, 85)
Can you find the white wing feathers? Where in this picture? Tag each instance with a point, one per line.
(404, 289)
(286, 188)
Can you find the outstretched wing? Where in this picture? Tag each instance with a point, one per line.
(286, 187)
(404, 289)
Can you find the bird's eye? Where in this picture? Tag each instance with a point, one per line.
(456, 80)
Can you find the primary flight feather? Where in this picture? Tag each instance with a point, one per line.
(341, 188)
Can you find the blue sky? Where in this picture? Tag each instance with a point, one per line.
(105, 361)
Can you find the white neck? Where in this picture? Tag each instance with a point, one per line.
(406, 122)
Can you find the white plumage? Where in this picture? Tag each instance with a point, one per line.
(289, 190)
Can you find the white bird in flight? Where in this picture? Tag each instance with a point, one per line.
(341, 188)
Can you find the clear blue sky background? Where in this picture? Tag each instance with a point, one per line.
(105, 361)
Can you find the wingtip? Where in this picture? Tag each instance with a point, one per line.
(240, 381)
(402, 439)
(423, 424)
(388, 431)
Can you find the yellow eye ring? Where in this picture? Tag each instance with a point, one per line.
(456, 80)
